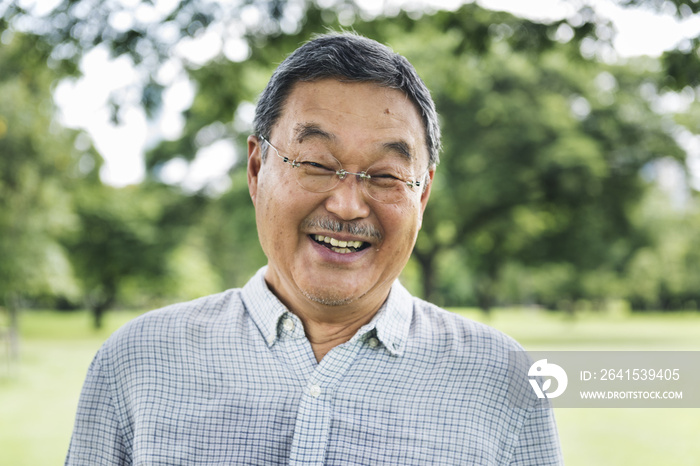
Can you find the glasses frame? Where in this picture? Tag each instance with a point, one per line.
(343, 173)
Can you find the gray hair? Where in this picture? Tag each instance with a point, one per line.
(351, 58)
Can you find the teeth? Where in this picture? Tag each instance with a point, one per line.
(339, 246)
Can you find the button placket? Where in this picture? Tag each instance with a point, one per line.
(314, 416)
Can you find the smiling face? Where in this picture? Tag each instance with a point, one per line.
(339, 247)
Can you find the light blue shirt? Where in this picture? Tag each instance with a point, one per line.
(231, 379)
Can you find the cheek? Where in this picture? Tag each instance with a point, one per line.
(280, 210)
(269, 212)
(275, 195)
(400, 225)
(404, 218)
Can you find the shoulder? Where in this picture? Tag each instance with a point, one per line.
(481, 363)
(174, 325)
(443, 327)
(454, 344)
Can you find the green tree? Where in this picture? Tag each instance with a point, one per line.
(681, 64)
(665, 272)
(38, 160)
(126, 235)
(225, 85)
(542, 151)
(543, 147)
(147, 32)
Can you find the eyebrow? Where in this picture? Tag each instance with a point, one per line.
(401, 147)
(305, 131)
(311, 130)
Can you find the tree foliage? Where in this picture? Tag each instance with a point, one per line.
(37, 159)
(543, 150)
(682, 64)
(126, 236)
(539, 198)
(543, 147)
(34, 206)
(64, 236)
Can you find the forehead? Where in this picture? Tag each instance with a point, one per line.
(356, 116)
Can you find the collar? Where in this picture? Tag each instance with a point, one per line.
(390, 325)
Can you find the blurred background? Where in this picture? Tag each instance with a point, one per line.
(565, 209)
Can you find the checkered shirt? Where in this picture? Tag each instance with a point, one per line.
(231, 379)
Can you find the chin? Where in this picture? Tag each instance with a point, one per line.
(328, 298)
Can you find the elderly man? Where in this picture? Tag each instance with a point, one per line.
(323, 357)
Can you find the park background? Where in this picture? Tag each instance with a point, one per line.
(564, 211)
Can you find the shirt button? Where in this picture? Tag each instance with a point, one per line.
(314, 391)
(373, 342)
(270, 339)
(288, 324)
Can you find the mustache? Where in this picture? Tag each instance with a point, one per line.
(352, 228)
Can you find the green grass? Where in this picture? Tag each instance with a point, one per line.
(607, 437)
(542, 330)
(38, 396)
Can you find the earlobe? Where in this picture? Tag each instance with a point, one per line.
(254, 165)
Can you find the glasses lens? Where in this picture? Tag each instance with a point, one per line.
(393, 194)
(387, 184)
(317, 174)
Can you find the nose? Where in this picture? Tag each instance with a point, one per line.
(347, 200)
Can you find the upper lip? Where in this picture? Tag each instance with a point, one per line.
(342, 237)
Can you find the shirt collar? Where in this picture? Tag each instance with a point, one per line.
(393, 320)
(391, 324)
(264, 307)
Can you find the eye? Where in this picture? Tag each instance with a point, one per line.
(317, 168)
(312, 164)
(385, 180)
(390, 170)
(385, 176)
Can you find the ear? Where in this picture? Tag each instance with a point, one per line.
(425, 195)
(254, 165)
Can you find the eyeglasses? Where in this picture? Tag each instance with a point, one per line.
(322, 173)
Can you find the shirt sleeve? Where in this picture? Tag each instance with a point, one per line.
(538, 443)
(97, 436)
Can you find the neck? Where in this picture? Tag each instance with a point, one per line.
(326, 335)
(327, 326)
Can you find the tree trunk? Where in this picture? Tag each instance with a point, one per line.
(97, 316)
(426, 261)
(484, 293)
(13, 306)
(100, 306)
(98, 312)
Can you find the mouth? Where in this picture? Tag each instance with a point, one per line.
(340, 246)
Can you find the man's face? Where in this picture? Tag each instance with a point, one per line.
(361, 125)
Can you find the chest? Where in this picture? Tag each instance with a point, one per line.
(359, 406)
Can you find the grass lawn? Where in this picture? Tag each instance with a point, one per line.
(619, 437)
(38, 396)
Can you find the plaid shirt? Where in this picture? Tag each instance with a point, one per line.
(232, 379)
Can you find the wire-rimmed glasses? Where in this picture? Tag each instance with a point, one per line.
(322, 173)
